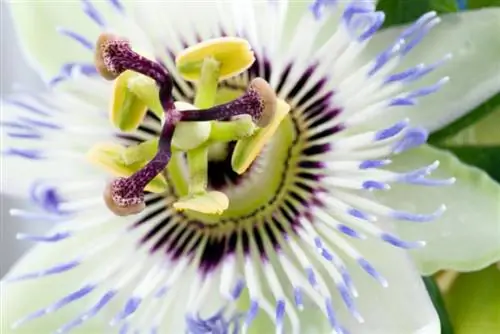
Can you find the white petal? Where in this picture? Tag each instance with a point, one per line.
(45, 18)
(62, 126)
(14, 69)
(47, 54)
(26, 297)
(473, 39)
(467, 236)
(392, 310)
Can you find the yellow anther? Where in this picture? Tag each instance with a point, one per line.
(109, 156)
(233, 54)
(133, 95)
(189, 135)
(212, 202)
(127, 110)
(247, 149)
(142, 153)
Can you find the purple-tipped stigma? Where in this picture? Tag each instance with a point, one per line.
(114, 56)
(259, 102)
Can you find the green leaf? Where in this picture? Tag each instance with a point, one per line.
(473, 302)
(482, 133)
(400, 11)
(473, 4)
(486, 158)
(406, 11)
(444, 6)
(438, 302)
(467, 120)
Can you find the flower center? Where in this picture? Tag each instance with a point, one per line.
(236, 120)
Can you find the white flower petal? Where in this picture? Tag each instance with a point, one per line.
(47, 54)
(392, 310)
(402, 300)
(26, 297)
(46, 131)
(29, 296)
(55, 21)
(473, 39)
(467, 236)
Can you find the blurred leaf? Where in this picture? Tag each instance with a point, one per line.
(437, 300)
(483, 133)
(467, 120)
(472, 4)
(444, 6)
(406, 11)
(473, 302)
(486, 158)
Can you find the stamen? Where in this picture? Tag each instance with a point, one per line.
(232, 54)
(259, 102)
(113, 158)
(133, 95)
(125, 196)
(247, 149)
(238, 128)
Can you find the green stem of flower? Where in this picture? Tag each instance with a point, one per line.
(146, 89)
(232, 130)
(198, 168)
(207, 85)
(205, 98)
(437, 300)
